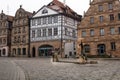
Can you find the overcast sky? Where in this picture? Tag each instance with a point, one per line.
(10, 6)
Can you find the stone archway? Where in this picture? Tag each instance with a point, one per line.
(33, 52)
(45, 50)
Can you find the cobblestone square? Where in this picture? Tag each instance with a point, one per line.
(45, 69)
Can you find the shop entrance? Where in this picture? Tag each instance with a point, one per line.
(45, 50)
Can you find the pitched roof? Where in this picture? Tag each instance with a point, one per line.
(61, 8)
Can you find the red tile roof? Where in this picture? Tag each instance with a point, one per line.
(66, 10)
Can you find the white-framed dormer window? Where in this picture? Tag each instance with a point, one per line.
(44, 11)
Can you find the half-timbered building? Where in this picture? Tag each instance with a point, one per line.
(54, 26)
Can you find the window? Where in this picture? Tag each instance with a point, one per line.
(24, 39)
(118, 16)
(33, 22)
(55, 19)
(66, 31)
(44, 20)
(4, 41)
(102, 32)
(19, 39)
(15, 30)
(101, 18)
(50, 20)
(110, 6)
(74, 34)
(44, 32)
(91, 20)
(15, 39)
(55, 31)
(100, 8)
(119, 30)
(44, 11)
(24, 51)
(112, 30)
(39, 33)
(111, 17)
(19, 51)
(83, 33)
(33, 33)
(50, 32)
(39, 21)
(92, 32)
(113, 46)
(70, 53)
(19, 30)
(23, 30)
(86, 48)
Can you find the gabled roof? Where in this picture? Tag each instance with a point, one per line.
(61, 8)
(26, 13)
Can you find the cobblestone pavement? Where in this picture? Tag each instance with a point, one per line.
(45, 69)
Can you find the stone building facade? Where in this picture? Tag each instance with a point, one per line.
(100, 28)
(54, 26)
(5, 34)
(20, 33)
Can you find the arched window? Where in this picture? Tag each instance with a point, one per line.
(4, 51)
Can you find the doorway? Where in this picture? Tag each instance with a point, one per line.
(33, 52)
(101, 49)
(45, 50)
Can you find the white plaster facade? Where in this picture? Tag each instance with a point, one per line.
(52, 25)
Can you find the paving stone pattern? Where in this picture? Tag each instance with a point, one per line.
(45, 69)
